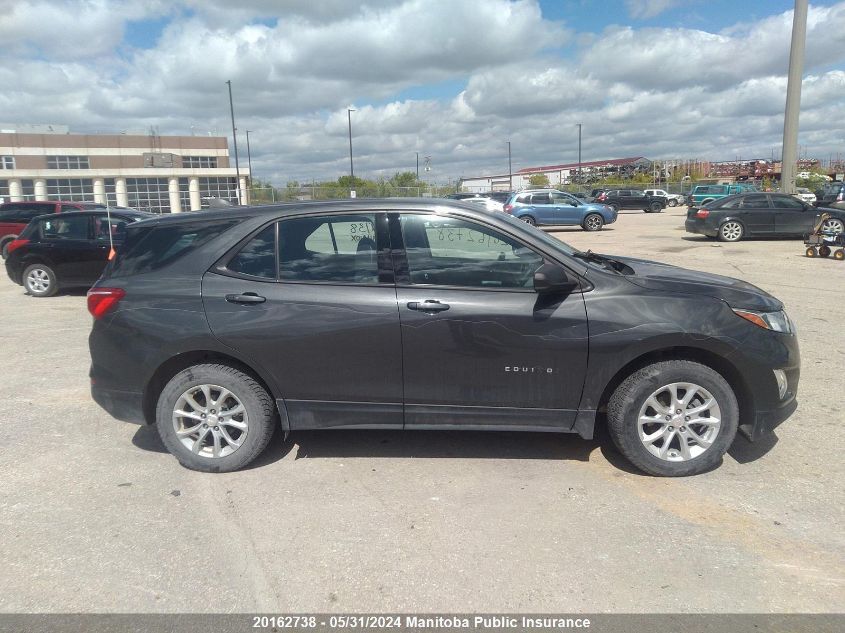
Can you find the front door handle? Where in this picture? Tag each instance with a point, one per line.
(247, 297)
(429, 305)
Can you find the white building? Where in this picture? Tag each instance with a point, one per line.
(162, 174)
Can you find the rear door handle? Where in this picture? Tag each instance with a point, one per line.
(429, 305)
(247, 297)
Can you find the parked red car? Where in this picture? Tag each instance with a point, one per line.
(14, 216)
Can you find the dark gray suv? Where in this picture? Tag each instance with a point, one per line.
(421, 314)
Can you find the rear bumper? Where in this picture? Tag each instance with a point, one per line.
(126, 406)
(695, 226)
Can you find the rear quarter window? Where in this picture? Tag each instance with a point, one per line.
(149, 248)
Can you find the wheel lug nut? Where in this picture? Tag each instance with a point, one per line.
(678, 411)
(686, 419)
(668, 417)
(671, 428)
(683, 428)
(203, 415)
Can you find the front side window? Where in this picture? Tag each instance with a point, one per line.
(258, 256)
(339, 248)
(455, 252)
(787, 202)
(108, 231)
(65, 228)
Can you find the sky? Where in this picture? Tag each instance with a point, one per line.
(453, 80)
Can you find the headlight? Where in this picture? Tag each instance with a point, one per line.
(777, 321)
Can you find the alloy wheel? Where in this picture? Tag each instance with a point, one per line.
(679, 422)
(38, 280)
(594, 222)
(731, 231)
(210, 421)
(833, 225)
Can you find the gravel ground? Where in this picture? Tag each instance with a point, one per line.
(96, 517)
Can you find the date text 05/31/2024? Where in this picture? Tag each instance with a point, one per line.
(420, 622)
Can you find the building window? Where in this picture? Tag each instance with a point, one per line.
(148, 194)
(28, 189)
(111, 192)
(185, 194)
(7, 162)
(67, 162)
(199, 161)
(219, 187)
(74, 189)
(4, 190)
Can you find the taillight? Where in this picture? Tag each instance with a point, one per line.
(702, 213)
(101, 300)
(507, 208)
(602, 196)
(15, 245)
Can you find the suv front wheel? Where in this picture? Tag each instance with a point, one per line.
(215, 418)
(673, 418)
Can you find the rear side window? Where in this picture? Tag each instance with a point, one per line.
(149, 248)
(61, 227)
(258, 256)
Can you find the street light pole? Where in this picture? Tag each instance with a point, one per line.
(793, 97)
(510, 169)
(248, 155)
(349, 112)
(235, 140)
(579, 153)
(418, 166)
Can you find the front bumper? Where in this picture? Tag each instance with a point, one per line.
(765, 422)
(14, 272)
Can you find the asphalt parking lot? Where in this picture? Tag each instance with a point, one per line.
(97, 517)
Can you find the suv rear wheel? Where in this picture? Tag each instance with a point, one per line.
(215, 418)
(673, 418)
(40, 280)
(655, 207)
(4, 246)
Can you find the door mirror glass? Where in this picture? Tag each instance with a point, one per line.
(552, 279)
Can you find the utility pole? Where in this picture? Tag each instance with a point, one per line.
(793, 97)
(418, 166)
(349, 112)
(235, 139)
(248, 155)
(510, 169)
(579, 153)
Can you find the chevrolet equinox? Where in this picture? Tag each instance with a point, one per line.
(415, 314)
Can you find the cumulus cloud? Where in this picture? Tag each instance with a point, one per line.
(295, 71)
(644, 9)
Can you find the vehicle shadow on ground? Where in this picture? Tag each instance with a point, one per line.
(442, 444)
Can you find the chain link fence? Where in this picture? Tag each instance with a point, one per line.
(270, 195)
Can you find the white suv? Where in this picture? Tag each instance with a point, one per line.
(674, 198)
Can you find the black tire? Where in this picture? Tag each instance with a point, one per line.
(256, 401)
(673, 203)
(731, 231)
(48, 286)
(593, 222)
(656, 207)
(824, 251)
(810, 252)
(630, 396)
(528, 220)
(839, 255)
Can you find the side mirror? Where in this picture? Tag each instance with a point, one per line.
(552, 279)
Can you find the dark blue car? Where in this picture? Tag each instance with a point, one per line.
(549, 206)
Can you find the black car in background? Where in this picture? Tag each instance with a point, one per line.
(421, 314)
(632, 199)
(759, 215)
(67, 249)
